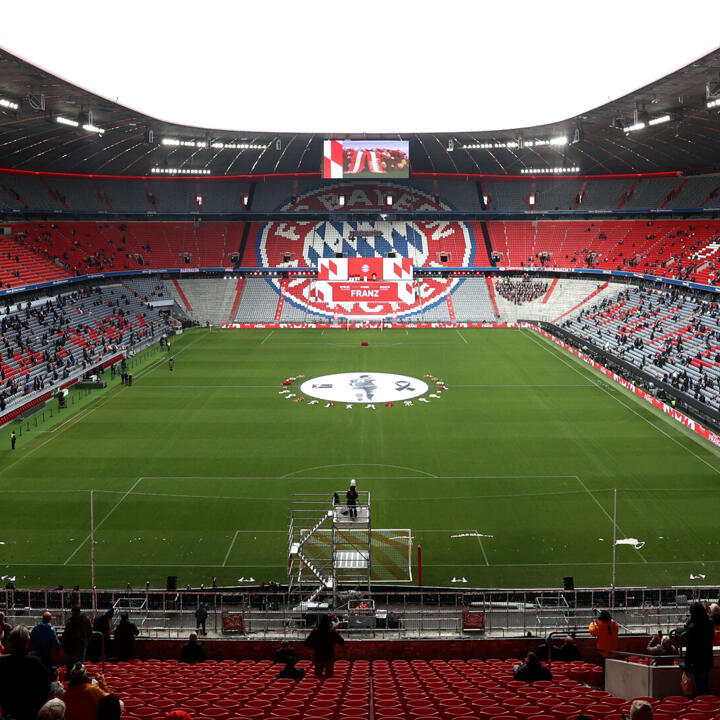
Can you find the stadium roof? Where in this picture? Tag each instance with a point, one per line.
(664, 126)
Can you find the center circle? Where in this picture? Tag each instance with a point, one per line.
(364, 387)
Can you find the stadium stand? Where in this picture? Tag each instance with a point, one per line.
(674, 337)
(665, 248)
(258, 303)
(211, 300)
(22, 265)
(551, 299)
(471, 301)
(382, 689)
(43, 343)
(101, 247)
(149, 290)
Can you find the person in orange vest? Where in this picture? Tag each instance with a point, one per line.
(605, 629)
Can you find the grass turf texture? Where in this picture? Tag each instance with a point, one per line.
(194, 469)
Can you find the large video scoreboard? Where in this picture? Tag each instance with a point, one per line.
(376, 159)
(365, 279)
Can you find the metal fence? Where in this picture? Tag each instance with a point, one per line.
(418, 613)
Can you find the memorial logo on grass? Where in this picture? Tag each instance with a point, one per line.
(367, 389)
(364, 387)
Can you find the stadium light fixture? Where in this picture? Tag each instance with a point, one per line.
(713, 103)
(550, 171)
(8, 104)
(556, 141)
(659, 120)
(634, 127)
(531, 200)
(203, 144)
(66, 121)
(388, 200)
(238, 146)
(93, 128)
(179, 171)
(341, 200)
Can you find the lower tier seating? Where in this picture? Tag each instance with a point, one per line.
(383, 690)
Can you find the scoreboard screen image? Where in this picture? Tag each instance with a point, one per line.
(362, 159)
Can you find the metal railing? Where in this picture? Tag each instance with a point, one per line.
(399, 613)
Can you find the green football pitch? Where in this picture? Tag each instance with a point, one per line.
(194, 470)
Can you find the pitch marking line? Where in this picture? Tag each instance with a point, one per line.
(109, 513)
(602, 386)
(229, 550)
(380, 465)
(267, 337)
(462, 336)
(608, 563)
(482, 548)
(267, 387)
(606, 513)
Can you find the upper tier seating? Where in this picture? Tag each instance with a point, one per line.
(682, 250)
(668, 248)
(21, 264)
(384, 690)
(102, 247)
(54, 193)
(405, 239)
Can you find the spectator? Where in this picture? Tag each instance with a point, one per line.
(605, 629)
(193, 651)
(102, 624)
(125, 634)
(82, 697)
(698, 639)
(662, 649)
(109, 708)
(5, 629)
(24, 683)
(44, 639)
(286, 655)
(641, 710)
(531, 670)
(323, 640)
(53, 709)
(56, 687)
(76, 637)
(201, 615)
(178, 715)
(715, 620)
(568, 651)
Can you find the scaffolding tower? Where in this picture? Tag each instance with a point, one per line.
(328, 545)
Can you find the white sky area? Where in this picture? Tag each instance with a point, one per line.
(374, 66)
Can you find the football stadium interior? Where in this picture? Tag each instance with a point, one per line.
(458, 391)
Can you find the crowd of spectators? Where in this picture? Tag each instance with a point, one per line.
(666, 333)
(520, 291)
(43, 343)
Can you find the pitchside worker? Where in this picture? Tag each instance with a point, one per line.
(352, 497)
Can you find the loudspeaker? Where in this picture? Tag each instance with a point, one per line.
(171, 583)
(338, 255)
(392, 254)
(568, 583)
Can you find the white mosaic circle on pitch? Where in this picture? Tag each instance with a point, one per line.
(364, 387)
